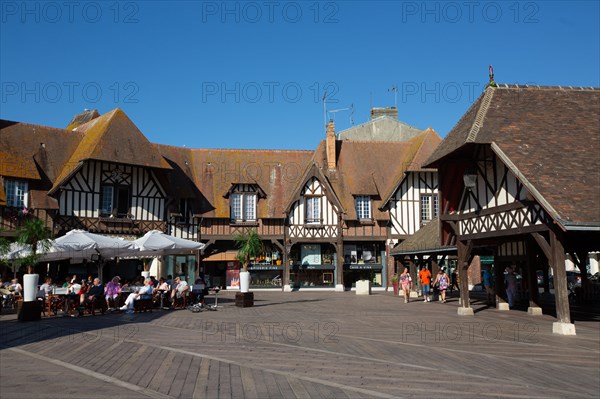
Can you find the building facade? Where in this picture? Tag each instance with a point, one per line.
(327, 217)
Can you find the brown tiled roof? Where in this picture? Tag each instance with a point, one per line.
(112, 137)
(430, 141)
(551, 135)
(425, 240)
(27, 150)
(371, 168)
(82, 118)
(40, 199)
(213, 171)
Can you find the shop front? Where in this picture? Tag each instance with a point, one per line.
(312, 266)
(364, 261)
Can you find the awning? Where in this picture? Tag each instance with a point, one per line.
(222, 257)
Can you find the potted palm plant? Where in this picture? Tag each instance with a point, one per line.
(249, 246)
(36, 234)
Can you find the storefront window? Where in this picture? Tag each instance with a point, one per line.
(362, 253)
(311, 278)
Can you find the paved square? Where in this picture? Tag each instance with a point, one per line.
(301, 344)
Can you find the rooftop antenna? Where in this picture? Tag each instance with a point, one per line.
(352, 114)
(335, 111)
(394, 89)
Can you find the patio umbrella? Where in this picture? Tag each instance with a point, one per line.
(82, 244)
(156, 242)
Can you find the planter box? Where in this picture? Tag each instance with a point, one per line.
(244, 299)
(363, 287)
(29, 311)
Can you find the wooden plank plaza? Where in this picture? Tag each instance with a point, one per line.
(303, 344)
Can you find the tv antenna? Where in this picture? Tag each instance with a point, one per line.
(335, 111)
(394, 89)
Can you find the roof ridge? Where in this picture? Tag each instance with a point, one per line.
(229, 149)
(375, 119)
(483, 108)
(508, 86)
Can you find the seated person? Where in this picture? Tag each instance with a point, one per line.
(198, 290)
(15, 288)
(180, 288)
(112, 291)
(95, 291)
(45, 288)
(144, 293)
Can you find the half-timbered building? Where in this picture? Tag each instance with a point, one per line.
(223, 192)
(327, 217)
(99, 174)
(519, 175)
(339, 225)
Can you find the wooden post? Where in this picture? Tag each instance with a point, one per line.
(339, 267)
(532, 265)
(464, 251)
(563, 326)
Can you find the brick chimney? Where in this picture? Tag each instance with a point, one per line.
(389, 111)
(330, 145)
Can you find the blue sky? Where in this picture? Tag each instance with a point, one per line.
(252, 74)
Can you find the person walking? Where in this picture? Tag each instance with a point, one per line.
(488, 284)
(510, 281)
(425, 278)
(405, 283)
(442, 281)
(454, 281)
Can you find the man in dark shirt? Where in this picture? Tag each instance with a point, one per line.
(96, 291)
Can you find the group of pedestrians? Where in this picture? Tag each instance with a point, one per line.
(441, 282)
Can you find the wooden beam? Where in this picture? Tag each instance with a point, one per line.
(543, 244)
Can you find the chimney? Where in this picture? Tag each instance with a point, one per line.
(330, 144)
(392, 112)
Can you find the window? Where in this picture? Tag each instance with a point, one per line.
(114, 200)
(16, 193)
(106, 200)
(429, 208)
(243, 207)
(363, 207)
(183, 211)
(313, 209)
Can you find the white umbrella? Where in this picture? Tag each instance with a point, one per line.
(17, 251)
(156, 242)
(83, 244)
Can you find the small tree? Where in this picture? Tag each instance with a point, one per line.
(250, 246)
(36, 234)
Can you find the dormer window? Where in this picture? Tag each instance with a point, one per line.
(16, 193)
(363, 207)
(243, 207)
(313, 210)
